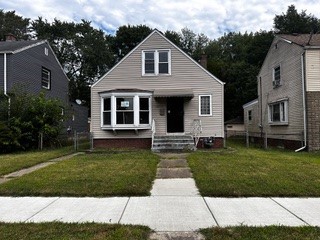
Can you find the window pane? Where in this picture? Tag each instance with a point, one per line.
(205, 105)
(149, 62)
(106, 118)
(163, 56)
(124, 117)
(283, 112)
(276, 113)
(144, 103)
(144, 117)
(124, 103)
(107, 104)
(163, 68)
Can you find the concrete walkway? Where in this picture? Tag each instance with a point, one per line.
(25, 171)
(174, 206)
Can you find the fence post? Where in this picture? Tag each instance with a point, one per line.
(247, 139)
(75, 141)
(40, 141)
(265, 140)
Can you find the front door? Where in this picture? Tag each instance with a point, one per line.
(175, 115)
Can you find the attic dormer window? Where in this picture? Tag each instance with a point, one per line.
(156, 62)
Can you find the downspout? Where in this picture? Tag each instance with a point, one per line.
(304, 106)
(5, 82)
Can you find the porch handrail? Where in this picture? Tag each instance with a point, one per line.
(153, 130)
(196, 131)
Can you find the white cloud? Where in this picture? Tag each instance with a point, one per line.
(211, 17)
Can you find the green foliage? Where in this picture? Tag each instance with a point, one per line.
(128, 37)
(294, 22)
(10, 23)
(236, 58)
(83, 51)
(26, 116)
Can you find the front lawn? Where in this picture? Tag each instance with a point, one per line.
(55, 230)
(16, 161)
(261, 233)
(95, 174)
(252, 172)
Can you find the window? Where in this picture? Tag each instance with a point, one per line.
(144, 111)
(250, 115)
(156, 62)
(46, 52)
(205, 105)
(278, 112)
(46, 78)
(107, 111)
(126, 110)
(276, 77)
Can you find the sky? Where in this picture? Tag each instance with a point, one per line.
(210, 17)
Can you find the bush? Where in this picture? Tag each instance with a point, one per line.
(25, 118)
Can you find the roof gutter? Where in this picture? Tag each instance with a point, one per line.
(304, 107)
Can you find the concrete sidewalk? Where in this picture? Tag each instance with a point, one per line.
(174, 206)
(164, 213)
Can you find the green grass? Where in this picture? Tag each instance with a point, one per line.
(95, 174)
(239, 171)
(261, 233)
(55, 230)
(16, 161)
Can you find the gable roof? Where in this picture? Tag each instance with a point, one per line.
(303, 40)
(17, 46)
(166, 39)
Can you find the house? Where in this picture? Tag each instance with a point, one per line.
(287, 111)
(157, 96)
(33, 67)
(234, 127)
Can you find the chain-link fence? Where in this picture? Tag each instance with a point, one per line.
(266, 140)
(81, 141)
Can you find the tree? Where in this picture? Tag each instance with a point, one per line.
(293, 22)
(83, 51)
(128, 37)
(10, 23)
(25, 118)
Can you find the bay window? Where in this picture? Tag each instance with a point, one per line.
(126, 110)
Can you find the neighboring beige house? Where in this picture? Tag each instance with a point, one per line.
(234, 127)
(288, 104)
(157, 97)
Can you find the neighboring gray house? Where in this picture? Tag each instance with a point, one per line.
(288, 104)
(157, 96)
(33, 67)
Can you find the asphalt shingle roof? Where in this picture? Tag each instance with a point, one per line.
(7, 46)
(303, 39)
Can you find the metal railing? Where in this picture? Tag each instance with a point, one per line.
(153, 130)
(196, 131)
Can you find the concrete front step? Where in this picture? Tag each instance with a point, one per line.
(173, 143)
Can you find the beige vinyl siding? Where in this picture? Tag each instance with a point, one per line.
(184, 74)
(288, 56)
(313, 70)
(252, 126)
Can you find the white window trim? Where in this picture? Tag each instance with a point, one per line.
(274, 85)
(156, 62)
(49, 80)
(136, 109)
(286, 111)
(205, 115)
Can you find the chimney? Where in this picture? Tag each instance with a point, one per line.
(10, 37)
(204, 60)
